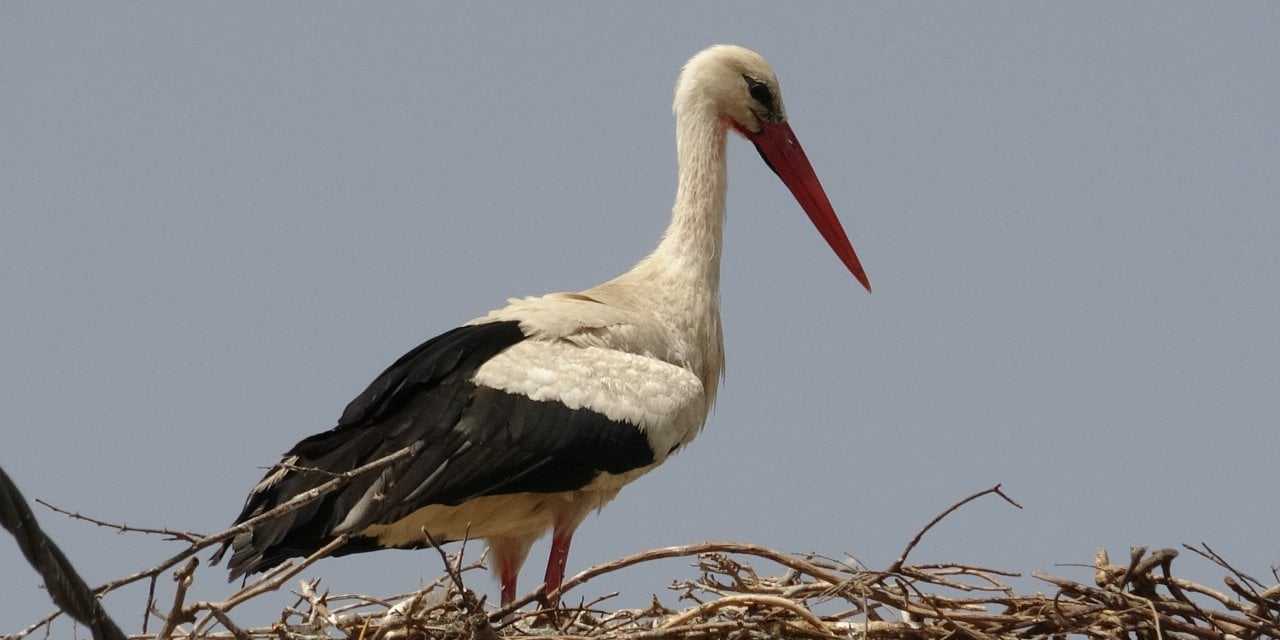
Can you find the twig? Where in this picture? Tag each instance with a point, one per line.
(477, 621)
(183, 577)
(1166, 571)
(1257, 599)
(319, 607)
(1155, 617)
(454, 573)
(707, 629)
(1218, 560)
(151, 598)
(955, 567)
(747, 600)
(188, 536)
(225, 621)
(897, 564)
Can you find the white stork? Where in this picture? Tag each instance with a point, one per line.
(528, 418)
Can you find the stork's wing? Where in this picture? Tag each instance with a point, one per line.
(491, 441)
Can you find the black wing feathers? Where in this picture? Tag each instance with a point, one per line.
(452, 356)
(474, 441)
(517, 444)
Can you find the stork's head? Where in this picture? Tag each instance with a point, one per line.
(736, 87)
(734, 82)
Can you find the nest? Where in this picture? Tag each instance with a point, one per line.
(813, 597)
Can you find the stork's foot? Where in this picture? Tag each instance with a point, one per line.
(550, 614)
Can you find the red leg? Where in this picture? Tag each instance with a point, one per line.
(559, 558)
(508, 572)
(507, 555)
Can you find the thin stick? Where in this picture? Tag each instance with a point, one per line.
(455, 574)
(183, 577)
(225, 620)
(748, 599)
(1155, 617)
(1220, 561)
(189, 536)
(897, 564)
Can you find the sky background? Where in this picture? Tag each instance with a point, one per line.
(219, 222)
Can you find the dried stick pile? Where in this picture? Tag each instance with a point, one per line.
(809, 597)
(816, 598)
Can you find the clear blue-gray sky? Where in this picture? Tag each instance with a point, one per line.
(219, 222)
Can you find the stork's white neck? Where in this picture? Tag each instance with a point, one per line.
(683, 273)
(693, 241)
(679, 283)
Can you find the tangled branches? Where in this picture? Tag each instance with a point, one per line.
(809, 597)
(813, 597)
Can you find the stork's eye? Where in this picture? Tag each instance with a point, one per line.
(760, 92)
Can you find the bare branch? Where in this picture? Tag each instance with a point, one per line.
(67, 589)
(183, 577)
(897, 564)
(187, 536)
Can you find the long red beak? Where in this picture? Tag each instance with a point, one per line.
(781, 151)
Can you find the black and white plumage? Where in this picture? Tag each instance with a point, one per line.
(527, 419)
(483, 442)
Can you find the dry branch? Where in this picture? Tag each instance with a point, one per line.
(65, 585)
